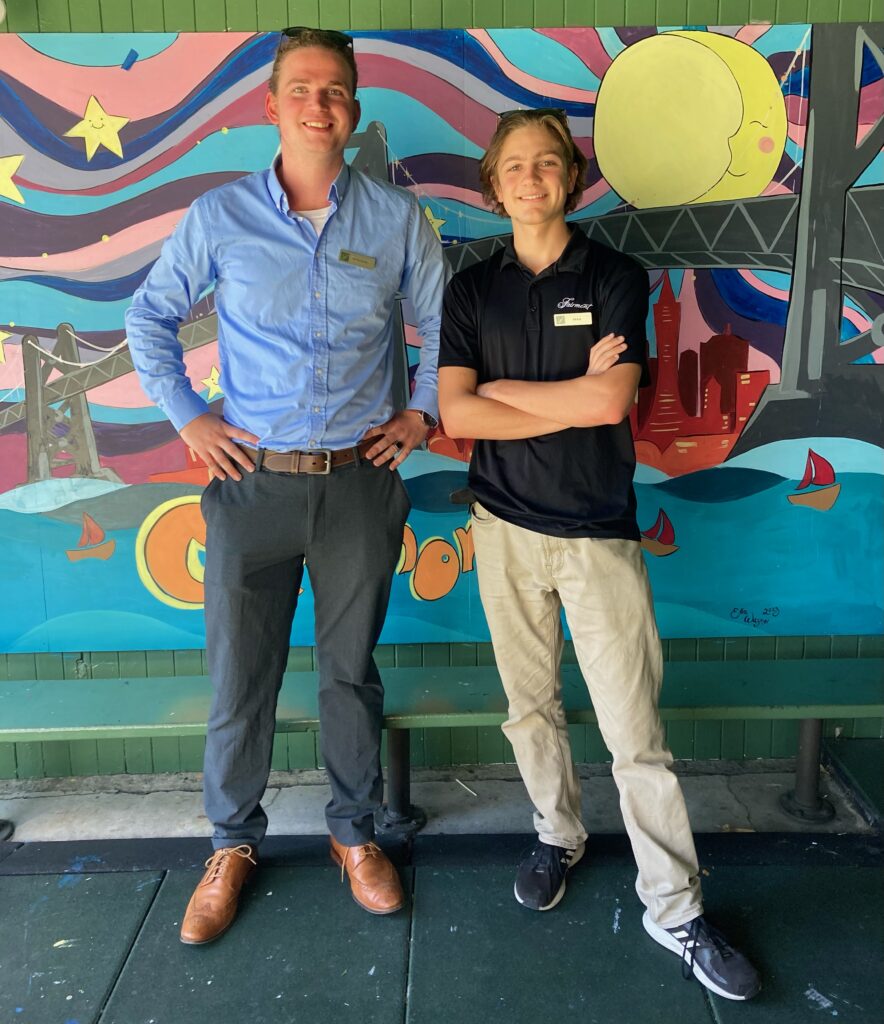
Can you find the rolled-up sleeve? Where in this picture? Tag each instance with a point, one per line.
(424, 278)
(183, 272)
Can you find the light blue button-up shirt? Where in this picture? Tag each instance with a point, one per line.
(305, 331)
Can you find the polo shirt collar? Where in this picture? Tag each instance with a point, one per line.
(280, 200)
(572, 259)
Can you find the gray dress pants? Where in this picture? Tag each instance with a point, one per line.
(347, 527)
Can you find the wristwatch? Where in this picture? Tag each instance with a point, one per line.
(428, 420)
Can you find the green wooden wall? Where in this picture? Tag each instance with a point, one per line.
(250, 15)
(430, 747)
(708, 739)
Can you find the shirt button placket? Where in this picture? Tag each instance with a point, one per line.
(318, 321)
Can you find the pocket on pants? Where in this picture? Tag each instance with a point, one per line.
(480, 514)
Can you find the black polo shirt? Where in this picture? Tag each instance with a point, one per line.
(500, 319)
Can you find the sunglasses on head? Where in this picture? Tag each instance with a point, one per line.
(536, 112)
(329, 35)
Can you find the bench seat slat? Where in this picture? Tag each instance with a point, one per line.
(58, 709)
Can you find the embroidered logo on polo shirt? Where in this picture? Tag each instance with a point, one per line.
(569, 303)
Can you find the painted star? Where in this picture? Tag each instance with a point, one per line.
(3, 336)
(9, 165)
(99, 128)
(435, 222)
(211, 382)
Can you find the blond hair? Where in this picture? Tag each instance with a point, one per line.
(557, 125)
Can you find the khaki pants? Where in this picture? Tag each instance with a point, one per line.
(525, 579)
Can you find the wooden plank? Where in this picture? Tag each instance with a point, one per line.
(301, 750)
(115, 16)
(302, 12)
(457, 13)
(488, 13)
(179, 16)
(210, 15)
(439, 697)
(165, 754)
(464, 746)
(680, 737)
(22, 16)
(518, 13)
(138, 755)
(669, 12)
(335, 14)
(242, 16)
(7, 760)
(437, 748)
(272, 15)
(596, 751)
(147, 16)
(365, 15)
(707, 739)
(84, 757)
(426, 13)
(642, 11)
(57, 760)
(29, 761)
(111, 757)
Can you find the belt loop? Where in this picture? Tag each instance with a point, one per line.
(259, 460)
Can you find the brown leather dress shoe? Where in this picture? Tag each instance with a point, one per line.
(212, 907)
(374, 882)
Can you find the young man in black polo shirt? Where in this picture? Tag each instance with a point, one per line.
(543, 347)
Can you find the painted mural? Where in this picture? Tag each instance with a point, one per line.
(743, 167)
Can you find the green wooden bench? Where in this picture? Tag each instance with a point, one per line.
(135, 708)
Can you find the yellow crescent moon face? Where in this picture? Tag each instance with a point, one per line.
(758, 144)
(688, 117)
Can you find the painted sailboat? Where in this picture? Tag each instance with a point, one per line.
(92, 543)
(660, 538)
(820, 475)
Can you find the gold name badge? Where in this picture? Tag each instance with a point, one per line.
(358, 259)
(572, 319)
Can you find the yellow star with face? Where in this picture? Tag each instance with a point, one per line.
(211, 382)
(3, 336)
(99, 128)
(435, 222)
(9, 165)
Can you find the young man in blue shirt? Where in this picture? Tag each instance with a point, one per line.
(306, 260)
(542, 350)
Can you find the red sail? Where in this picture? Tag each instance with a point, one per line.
(652, 533)
(92, 532)
(823, 472)
(667, 532)
(808, 472)
(817, 471)
(662, 530)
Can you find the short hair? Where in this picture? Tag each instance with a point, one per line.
(556, 123)
(292, 39)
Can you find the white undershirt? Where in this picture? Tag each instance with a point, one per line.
(316, 217)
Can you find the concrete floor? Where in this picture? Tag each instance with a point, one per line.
(721, 797)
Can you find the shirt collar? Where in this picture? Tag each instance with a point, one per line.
(571, 261)
(280, 200)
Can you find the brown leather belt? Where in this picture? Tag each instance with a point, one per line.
(320, 461)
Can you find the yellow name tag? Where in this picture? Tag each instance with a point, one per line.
(572, 319)
(358, 259)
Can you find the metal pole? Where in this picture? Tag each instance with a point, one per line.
(805, 801)
(397, 817)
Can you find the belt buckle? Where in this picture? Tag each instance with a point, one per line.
(328, 461)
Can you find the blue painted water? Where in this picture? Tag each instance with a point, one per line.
(748, 563)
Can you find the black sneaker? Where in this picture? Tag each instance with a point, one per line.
(707, 955)
(540, 882)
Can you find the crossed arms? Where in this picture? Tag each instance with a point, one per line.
(508, 410)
